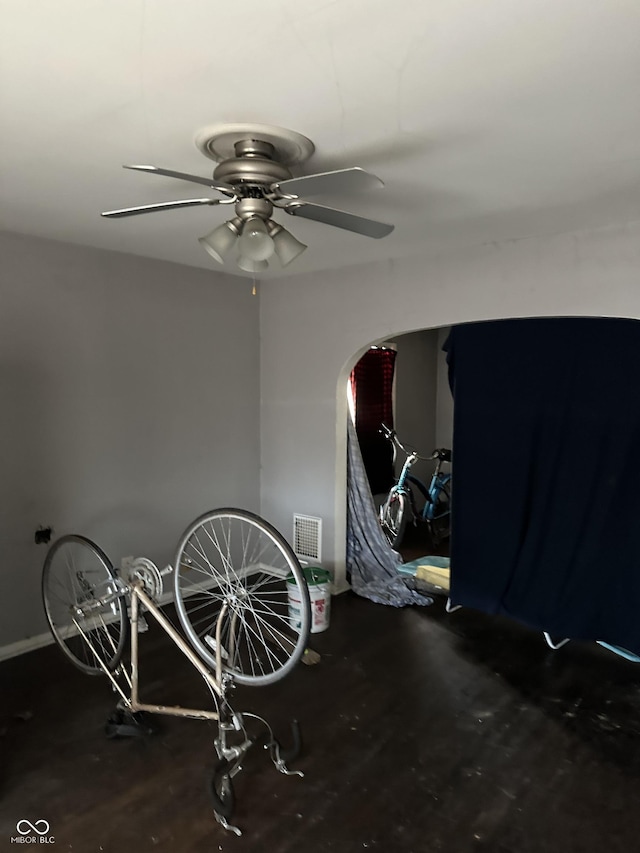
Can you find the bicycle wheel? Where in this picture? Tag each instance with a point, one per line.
(75, 576)
(232, 557)
(393, 518)
(440, 524)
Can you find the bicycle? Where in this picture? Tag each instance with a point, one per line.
(230, 578)
(436, 511)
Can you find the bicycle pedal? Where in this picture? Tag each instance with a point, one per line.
(127, 724)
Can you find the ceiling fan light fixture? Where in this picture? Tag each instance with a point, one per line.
(254, 175)
(249, 265)
(222, 239)
(254, 243)
(287, 247)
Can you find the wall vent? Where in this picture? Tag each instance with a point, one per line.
(307, 537)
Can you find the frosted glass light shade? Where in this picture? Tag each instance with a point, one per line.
(287, 247)
(248, 265)
(221, 240)
(254, 242)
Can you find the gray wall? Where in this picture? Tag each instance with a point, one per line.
(130, 387)
(129, 405)
(444, 399)
(314, 328)
(415, 396)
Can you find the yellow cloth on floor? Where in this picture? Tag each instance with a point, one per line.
(435, 576)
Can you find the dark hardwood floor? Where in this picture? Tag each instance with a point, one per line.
(416, 542)
(423, 732)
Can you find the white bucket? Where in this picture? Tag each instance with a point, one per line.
(319, 586)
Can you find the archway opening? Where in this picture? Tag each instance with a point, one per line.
(403, 385)
(550, 364)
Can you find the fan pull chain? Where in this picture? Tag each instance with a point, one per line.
(254, 289)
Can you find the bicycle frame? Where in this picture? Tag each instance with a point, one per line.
(132, 702)
(430, 493)
(92, 601)
(393, 512)
(228, 720)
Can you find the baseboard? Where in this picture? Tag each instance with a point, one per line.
(340, 586)
(23, 646)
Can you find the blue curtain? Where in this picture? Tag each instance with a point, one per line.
(546, 499)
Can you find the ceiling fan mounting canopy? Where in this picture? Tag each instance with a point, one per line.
(218, 141)
(253, 174)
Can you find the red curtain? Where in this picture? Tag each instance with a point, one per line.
(372, 386)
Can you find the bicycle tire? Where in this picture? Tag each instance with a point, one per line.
(440, 525)
(221, 790)
(233, 557)
(76, 571)
(393, 518)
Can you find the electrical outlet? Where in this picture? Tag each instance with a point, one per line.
(43, 535)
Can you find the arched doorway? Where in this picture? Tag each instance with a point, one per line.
(313, 329)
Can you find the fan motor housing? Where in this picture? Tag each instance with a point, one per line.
(247, 208)
(251, 168)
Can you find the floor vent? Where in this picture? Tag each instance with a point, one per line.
(307, 536)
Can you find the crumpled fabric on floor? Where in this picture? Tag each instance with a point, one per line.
(372, 565)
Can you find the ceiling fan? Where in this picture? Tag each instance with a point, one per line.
(254, 175)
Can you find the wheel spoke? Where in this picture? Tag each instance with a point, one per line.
(259, 637)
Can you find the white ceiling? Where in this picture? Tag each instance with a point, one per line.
(486, 120)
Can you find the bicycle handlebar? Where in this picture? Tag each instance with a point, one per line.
(390, 434)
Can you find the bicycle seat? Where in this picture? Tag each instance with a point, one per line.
(443, 454)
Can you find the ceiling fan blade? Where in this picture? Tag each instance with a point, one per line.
(340, 219)
(163, 205)
(221, 187)
(341, 180)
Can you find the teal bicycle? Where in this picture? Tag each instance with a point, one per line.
(400, 503)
